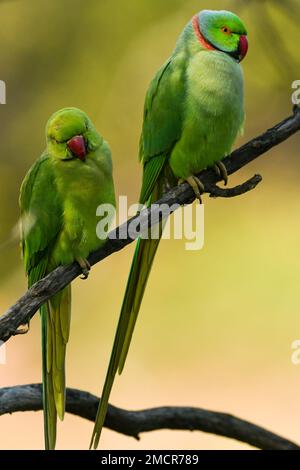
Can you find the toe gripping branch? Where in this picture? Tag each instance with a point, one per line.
(221, 172)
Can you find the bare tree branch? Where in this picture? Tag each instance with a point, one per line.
(132, 423)
(22, 311)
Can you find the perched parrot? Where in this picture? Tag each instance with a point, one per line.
(193, 113)
(58, 201)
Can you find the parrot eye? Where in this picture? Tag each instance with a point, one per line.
(226, 30)
(58, 141)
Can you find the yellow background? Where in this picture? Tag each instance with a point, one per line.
(216, 326)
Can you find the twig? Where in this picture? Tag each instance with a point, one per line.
(132, 423)
(22, 311)
(249, 185)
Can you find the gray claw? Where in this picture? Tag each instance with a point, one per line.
(221, 171)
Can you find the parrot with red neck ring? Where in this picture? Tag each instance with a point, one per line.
(194, 110)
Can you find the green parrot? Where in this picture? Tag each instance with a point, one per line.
(193, 113)
(58, 200)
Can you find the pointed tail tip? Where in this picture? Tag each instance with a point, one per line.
(122, 363)
(94, 442)
(61, 411)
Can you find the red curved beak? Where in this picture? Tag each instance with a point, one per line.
(77, 146)
(243, 47)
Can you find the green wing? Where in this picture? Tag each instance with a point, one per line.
(162, 123)
(161, 130)
(41, 216)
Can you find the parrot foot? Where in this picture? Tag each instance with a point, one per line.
(85, 267)
(221, 171)
(23, 331)
(196, 185)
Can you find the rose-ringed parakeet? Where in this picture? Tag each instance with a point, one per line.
(59, 198)
(193, 114)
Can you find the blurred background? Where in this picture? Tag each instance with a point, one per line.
(216, 326)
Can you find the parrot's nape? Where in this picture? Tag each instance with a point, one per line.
(60, 195)
(193, 113)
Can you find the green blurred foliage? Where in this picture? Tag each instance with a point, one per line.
(216, 326)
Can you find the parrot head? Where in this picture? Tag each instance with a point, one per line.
(222, 31)
(71, 135)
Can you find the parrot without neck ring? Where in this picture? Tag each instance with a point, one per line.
(58, 201)
(193, 114)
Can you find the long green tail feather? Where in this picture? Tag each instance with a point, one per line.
(55, 318)
(140, 269)
(139, 273)
(49, 408)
